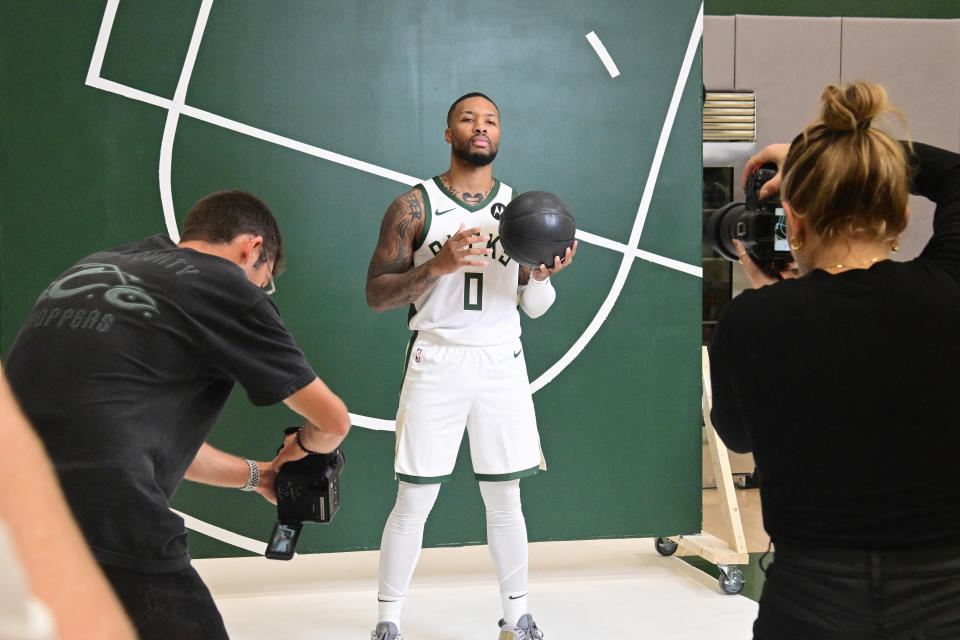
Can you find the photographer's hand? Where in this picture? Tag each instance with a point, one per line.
(757, 276)
(775, 153)
(221, 469)
(268, 470)
(268, 474)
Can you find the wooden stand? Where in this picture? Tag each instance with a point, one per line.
(722, 548)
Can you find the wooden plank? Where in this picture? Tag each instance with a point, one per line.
(710, 548)
(729, 509)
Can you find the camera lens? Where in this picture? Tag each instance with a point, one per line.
(715, 194)
(722, 229)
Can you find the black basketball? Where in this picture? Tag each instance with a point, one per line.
(535, 228)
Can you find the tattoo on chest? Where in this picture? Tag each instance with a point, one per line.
(472, 199)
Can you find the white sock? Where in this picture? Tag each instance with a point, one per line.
(514, 606)
(400, 546)
(507, 540)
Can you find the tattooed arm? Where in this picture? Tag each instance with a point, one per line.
(392, 280)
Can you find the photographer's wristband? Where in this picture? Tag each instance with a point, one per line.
(253, 480)
(300, 444)
(325, 456)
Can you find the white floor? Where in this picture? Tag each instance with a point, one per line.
(586, 590)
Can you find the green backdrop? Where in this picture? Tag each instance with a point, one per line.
(372, 81)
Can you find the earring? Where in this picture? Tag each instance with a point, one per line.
(894, 246)
(796, 244)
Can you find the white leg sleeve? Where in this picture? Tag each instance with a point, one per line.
(507, 539)
(536, 297)
(400, 545)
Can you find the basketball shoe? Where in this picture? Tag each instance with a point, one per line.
(526, 629)
(386, 631)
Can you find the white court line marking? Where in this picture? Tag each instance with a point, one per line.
(96, 64)
(645, 200)
(296, 145)
(375, 424)
(639, 253)
(178, 106)
(605, 58)
(173, 116)
(103, 39)
(94, 80)
(223, 535)
(134, 94)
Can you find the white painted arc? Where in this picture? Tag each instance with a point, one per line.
(645, 200)
(173, 116)
(223, 535)
(94, 80)
(692, 45)
(177, 106)
(629, 252)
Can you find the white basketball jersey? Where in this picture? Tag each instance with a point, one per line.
(474, 305)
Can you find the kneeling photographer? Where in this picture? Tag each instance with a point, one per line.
(842, 383)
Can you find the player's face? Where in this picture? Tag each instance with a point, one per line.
(474, 131)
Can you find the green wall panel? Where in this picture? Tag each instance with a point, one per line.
(373, 80)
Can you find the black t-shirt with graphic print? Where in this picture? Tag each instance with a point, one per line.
(123, 366)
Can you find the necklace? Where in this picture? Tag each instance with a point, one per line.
(857, 264)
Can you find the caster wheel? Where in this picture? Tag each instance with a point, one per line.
(731, 580)
(665, 546)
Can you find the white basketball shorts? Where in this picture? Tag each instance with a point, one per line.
(449, 387)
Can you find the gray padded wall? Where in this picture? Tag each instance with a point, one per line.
(916, 60)
(719, 51)
(788, 60)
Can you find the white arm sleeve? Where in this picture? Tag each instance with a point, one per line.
(536, 297)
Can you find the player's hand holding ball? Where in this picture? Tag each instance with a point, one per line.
(538, 231)
(543, 271)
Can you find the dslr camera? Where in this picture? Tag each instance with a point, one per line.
(308, 490)
(759, 225)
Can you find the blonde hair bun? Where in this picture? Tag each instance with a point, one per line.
(853, 107)
(844, 177)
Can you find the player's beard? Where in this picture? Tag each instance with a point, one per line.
(476, 159)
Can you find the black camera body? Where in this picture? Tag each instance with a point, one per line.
(308, 490)
(759, 225)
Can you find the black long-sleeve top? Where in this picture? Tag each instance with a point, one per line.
(846, 387)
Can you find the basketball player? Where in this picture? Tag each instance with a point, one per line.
(439, 253)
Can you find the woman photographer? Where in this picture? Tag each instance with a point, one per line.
(843, 382)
